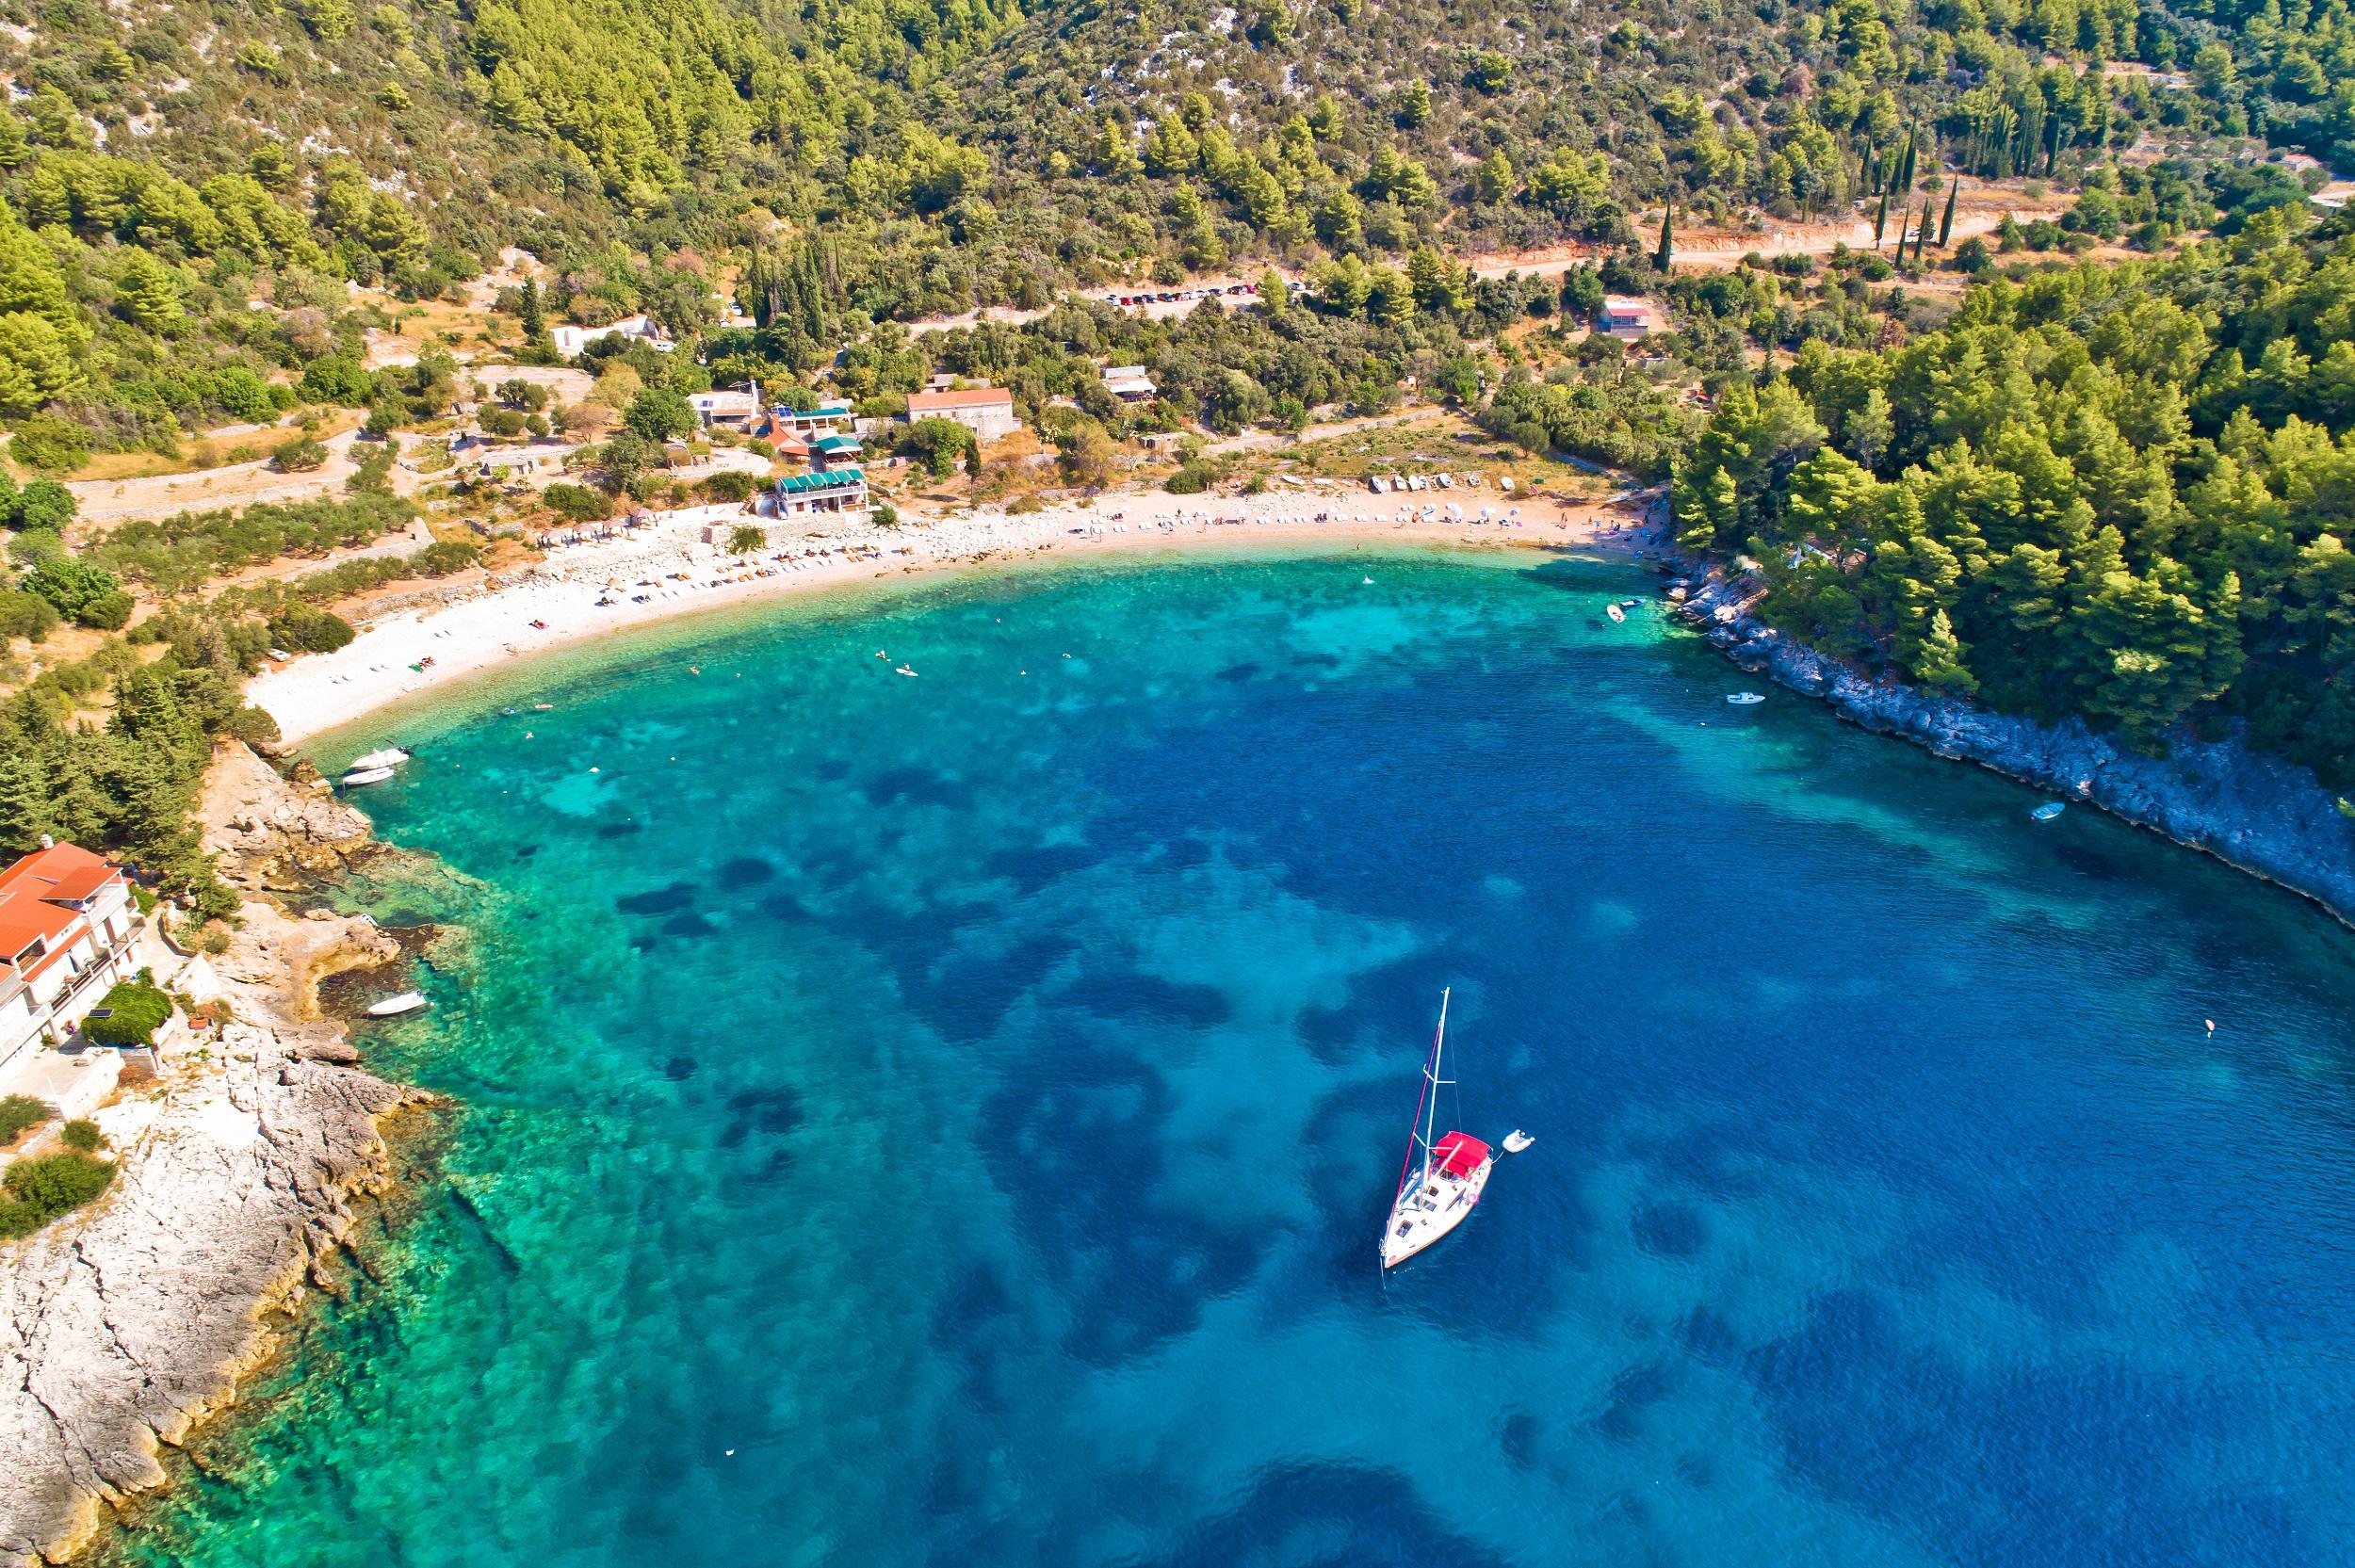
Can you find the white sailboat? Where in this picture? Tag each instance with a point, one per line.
(1440, 1195)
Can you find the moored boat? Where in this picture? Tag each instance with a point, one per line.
(389, 756)
(1440, 1195)
(1745, 699)
(393, 1007)
(2048, 810)
(1614, 611)
(363, 776)
(1516, 1140)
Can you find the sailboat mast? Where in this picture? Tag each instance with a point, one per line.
(1438, 1054)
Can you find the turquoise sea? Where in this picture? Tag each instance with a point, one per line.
(948, 1120)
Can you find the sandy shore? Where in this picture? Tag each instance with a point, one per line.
(584, 591)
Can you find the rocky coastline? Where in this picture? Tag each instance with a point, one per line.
(2264, 815)
(124, 1327)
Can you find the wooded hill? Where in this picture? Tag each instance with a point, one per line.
(2122, 491)
(176, 163)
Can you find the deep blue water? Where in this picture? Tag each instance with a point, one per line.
(950, 1120)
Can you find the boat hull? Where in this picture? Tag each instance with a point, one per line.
(1430, 1210)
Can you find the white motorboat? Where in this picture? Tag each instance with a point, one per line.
(1614, 612)
(2048, 810)
(365, 776)
(391, 756)
(1516, 1140)
(1441, 1194)
(1745, 699)
(393, 1007)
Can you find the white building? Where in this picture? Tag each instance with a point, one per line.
(738, 411)
(67, 924)
(1130, 384)
(1629, 318)
(571, 340)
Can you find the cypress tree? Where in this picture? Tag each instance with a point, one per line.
(1667, 253)
(1905, 167)
(530, 315)
(1921, 232)
(1946, 223)
(1881, 222)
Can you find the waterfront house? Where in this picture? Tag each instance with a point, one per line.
(834, 490)
(1629, 318)
(987, 410)
(67, 925)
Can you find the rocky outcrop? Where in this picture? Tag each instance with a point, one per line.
(125, 1325)
(273, 833)
(2261, 813)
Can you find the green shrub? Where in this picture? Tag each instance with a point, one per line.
(745, 539)
(136, 1011)
(1191, 479)
(40, 1189)
(304, 629)
(731, 484)
(576, 502)
(82, 1136)
(20, 1111)
(300, 455)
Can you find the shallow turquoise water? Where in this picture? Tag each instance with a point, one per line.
(950, 1120)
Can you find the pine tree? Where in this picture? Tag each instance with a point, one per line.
(1946, 223)
(24, 804)
(1935, 660)
(148, 294)
(1667, 253)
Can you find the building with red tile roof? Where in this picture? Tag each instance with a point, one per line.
(987, 410)
(67, 925)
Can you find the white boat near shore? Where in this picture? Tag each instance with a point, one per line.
(1614, 611)
(393, 1007)
(2048, 810)
(1745, 699)
(363, 776)
(390, 757)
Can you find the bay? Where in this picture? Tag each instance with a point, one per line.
(950, 1118)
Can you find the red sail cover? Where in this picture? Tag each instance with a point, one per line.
(1460, 1153)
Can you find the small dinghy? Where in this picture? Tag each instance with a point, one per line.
(2048, 810)
(391, 756)
(1745, 699)
(363, 776)
(393, 1007)
(1516, 1140)
(1614, 612)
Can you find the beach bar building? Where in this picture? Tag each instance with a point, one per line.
(835, 490)
(67, 925)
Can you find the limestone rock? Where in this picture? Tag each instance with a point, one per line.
(123, 1325)
(2262, 815)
